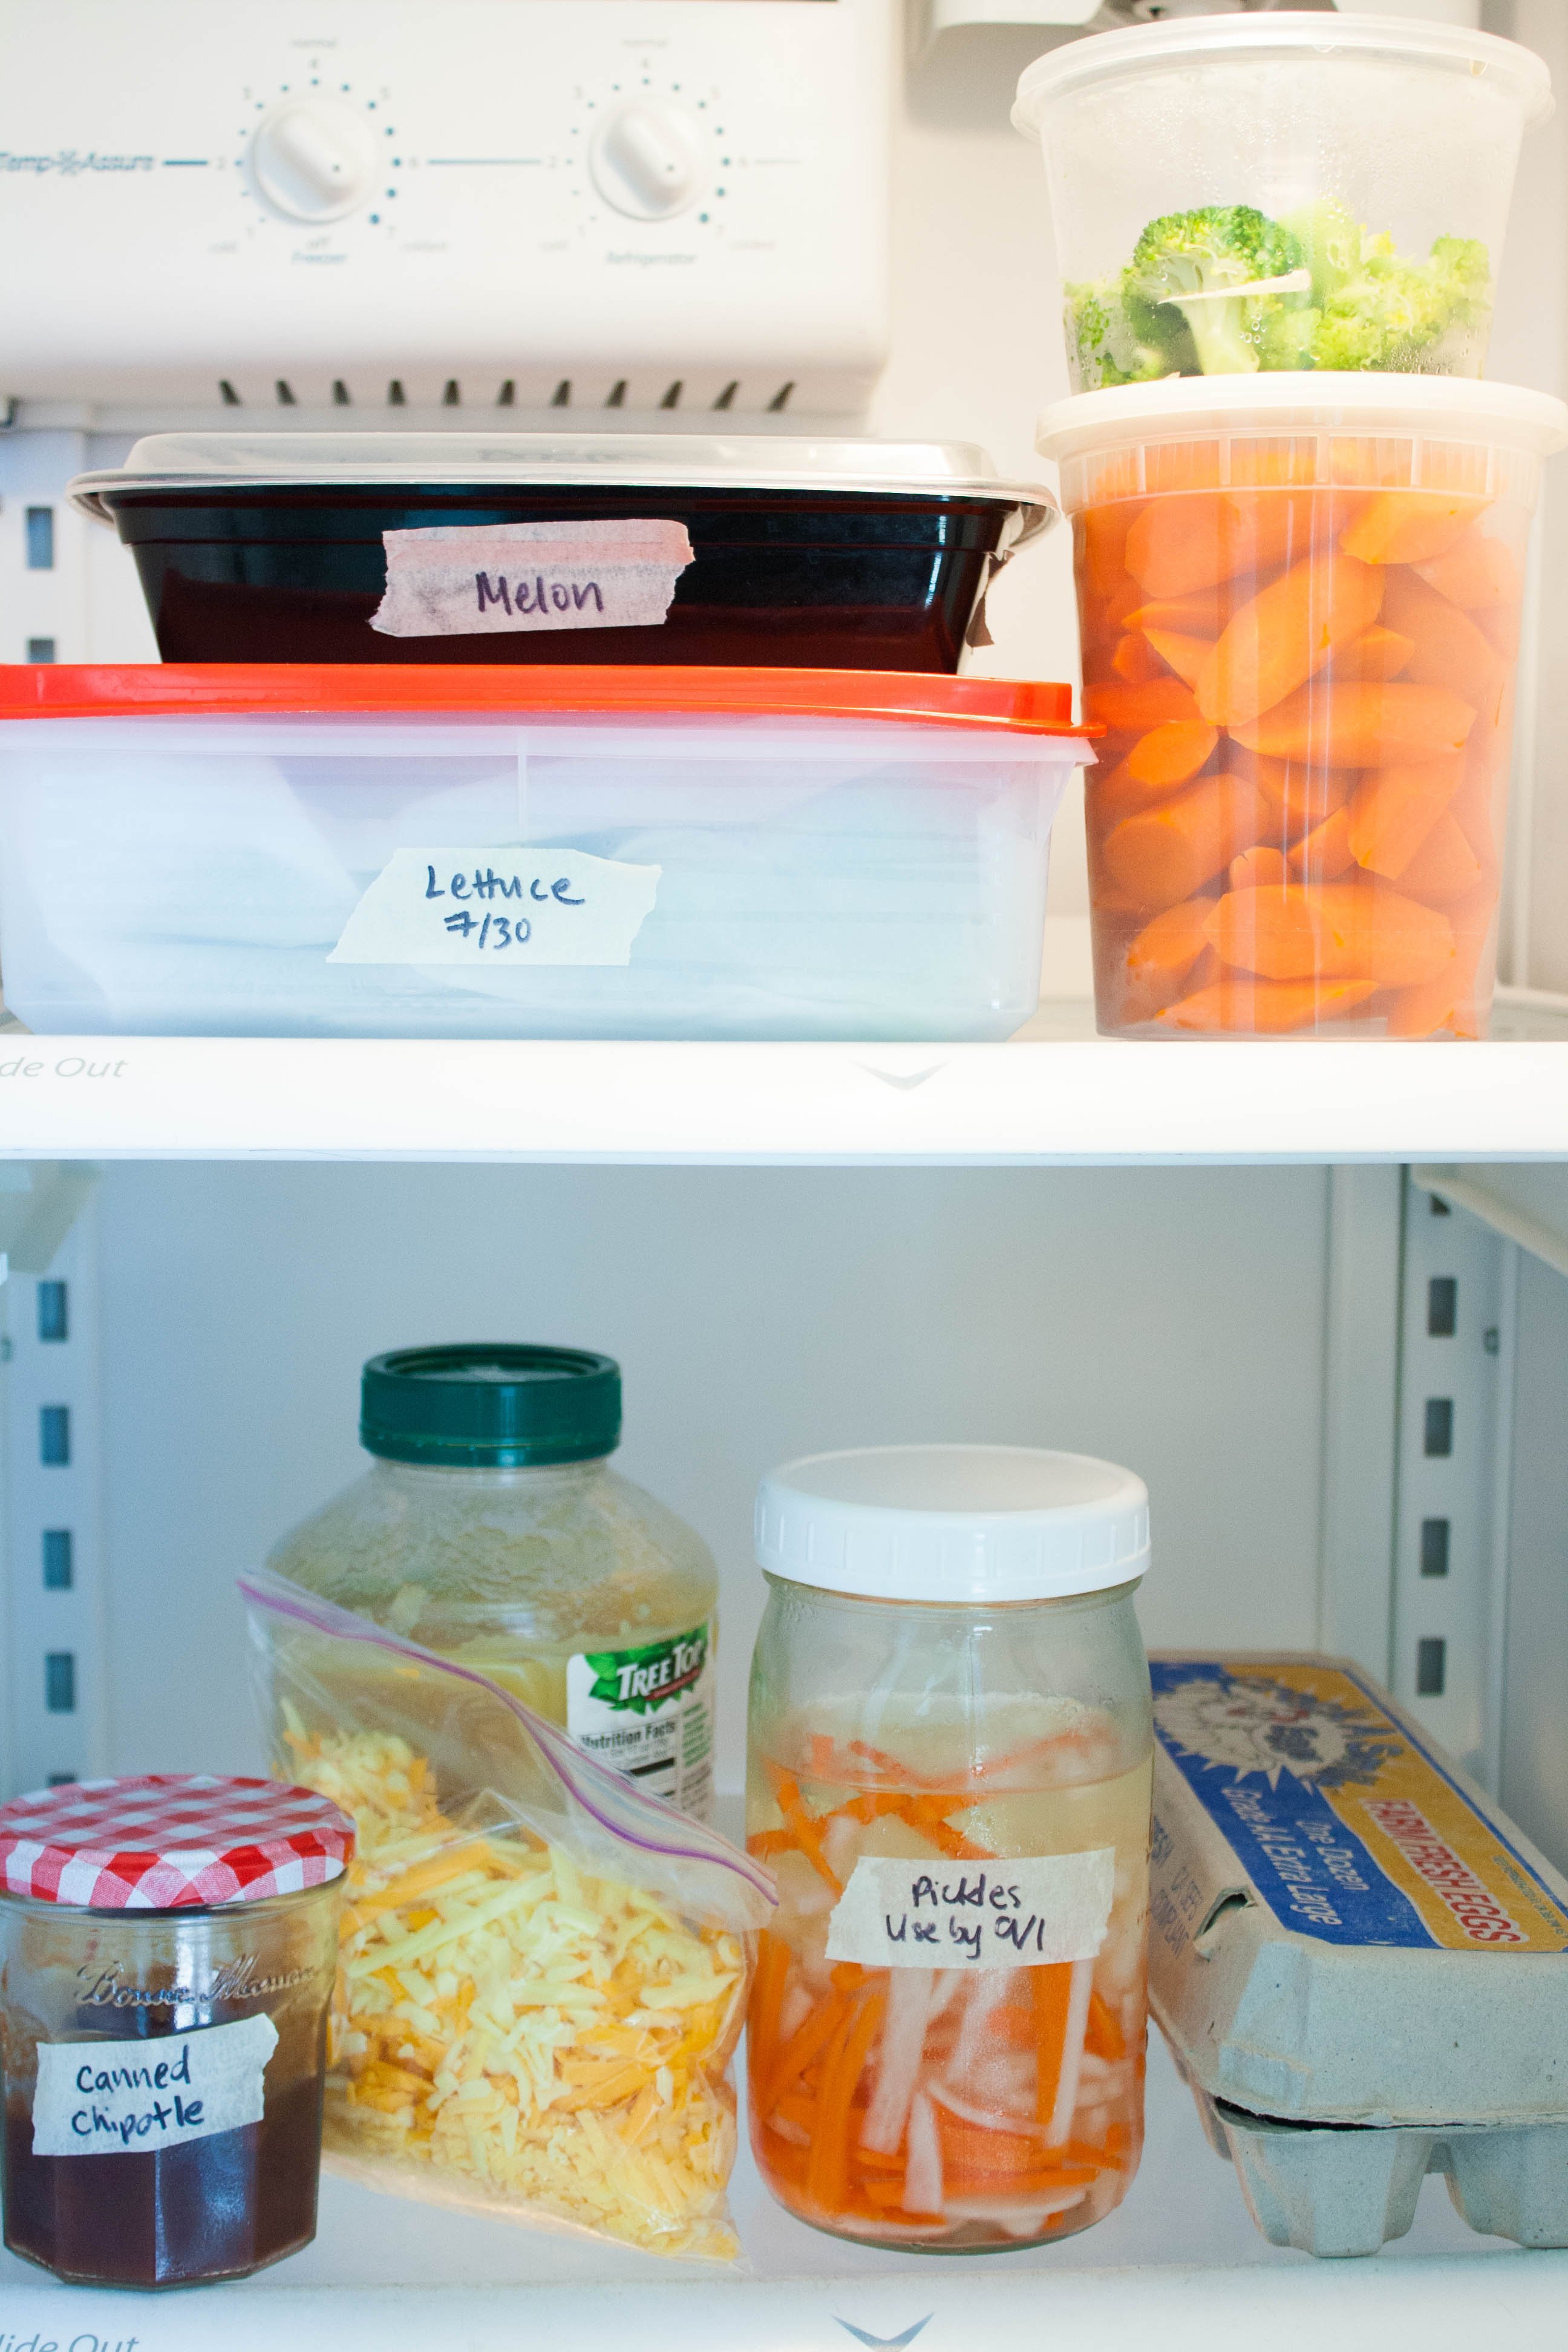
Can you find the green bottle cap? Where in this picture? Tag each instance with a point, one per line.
(490, 1408)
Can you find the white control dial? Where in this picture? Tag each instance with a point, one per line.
(314, 159)
(646, 161)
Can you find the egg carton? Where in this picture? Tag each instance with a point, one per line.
(1347, 2189)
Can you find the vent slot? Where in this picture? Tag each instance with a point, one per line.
(618, 398)
(507, 396)
(562, 395)
(672, 397)
(228, 394)
(285, 395)
(727, 397)
(780, 400)
(450, 395)
(396, 395)
(341, 393)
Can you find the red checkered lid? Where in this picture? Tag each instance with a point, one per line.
(169, 1840)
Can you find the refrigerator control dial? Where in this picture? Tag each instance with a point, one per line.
(314, 159)
(645, 161)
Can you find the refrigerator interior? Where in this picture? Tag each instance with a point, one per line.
(1257, 1341)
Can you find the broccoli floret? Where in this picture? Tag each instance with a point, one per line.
(1333, 246)
(1182, 267)
(1108, 350)
(1395, 314)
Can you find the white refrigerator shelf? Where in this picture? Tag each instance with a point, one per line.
(1180, 2265)
(1056, 1101)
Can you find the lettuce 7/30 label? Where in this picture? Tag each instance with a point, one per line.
(648, 1712)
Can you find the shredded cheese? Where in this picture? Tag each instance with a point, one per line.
(558, 2039)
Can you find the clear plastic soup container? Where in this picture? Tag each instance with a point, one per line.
(1301, 606)
(540, 853)
(950, 1757)
(1356, 171)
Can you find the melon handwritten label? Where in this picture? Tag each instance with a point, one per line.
(463, 580)
(133, 2097)
(499, 908)
(1028, 1913)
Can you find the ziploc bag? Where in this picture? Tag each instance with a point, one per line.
(542, 1973)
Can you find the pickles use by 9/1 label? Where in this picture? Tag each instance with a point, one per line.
(1347, 1826)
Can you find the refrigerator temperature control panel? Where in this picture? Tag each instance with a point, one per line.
(528, 202)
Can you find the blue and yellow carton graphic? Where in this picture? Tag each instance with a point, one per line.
(1349, 1827)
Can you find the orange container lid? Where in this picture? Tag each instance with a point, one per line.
(242, 690)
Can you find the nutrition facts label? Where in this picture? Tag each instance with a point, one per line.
(650, 1713)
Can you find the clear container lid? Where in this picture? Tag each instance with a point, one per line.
(953, 1523)
(628, 461)
(1078, 66)
(1448, 408)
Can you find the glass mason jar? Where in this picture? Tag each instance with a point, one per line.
(951, 1750)
(491, 1530)
(163, 2070)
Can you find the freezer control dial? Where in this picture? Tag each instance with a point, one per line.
(646, 161)
(314, 159)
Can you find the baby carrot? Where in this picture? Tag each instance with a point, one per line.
(1240, 1005)
(1361, 724)
(1118, 704)
(1170, 753)
(1393, 810)
(1168, 852)
(1409, 526)
(1449, 1000)
(1377, 653)
(1474, 573)
(1344, 931)
(1185, 654)
(1165, 950)
(1447, 646)
(1184, 543)
(1256, 867)
(1135, 661)
(1325, 853)
(1444, 867)
(1284, 633)
(1203, 614)
(1101, 534)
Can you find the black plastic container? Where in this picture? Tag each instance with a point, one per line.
(837, 555)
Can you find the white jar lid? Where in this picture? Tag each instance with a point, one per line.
(934, 1523)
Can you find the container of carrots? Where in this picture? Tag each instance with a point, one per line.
(949, 1763)
(1301, 606)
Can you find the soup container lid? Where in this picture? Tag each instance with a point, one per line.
(953, 1523)
(1184, 407)
(213, 463)
(170, 1842)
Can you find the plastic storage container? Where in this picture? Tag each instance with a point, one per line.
(1301, 601)
(1358, 1960)
(825, 554)
(491, 1530)
(167, 1951)
(535, 853)
(950, 1753)
(1354, 172)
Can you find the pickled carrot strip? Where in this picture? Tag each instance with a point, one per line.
(1393, 810)
(1377, 653)
(763, 1842)
(881, 1759)
(1239, 1006)
(1342, 930)
(828, 2172)
(1284, 633)
(1105, 2035)
(820, 1751)
(1136, 663)
(1361, 724)
(889, 2195)
(810, 2038)
(1325, 853)
(1185, 654)
(1170, 753)
(767, 2000)
(1051, 1993)
(1409, 526)
(807, 1829)
(1256, 868)
(848, 1976)
(1447, 648)
(1107, 704)
(1474, 574)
